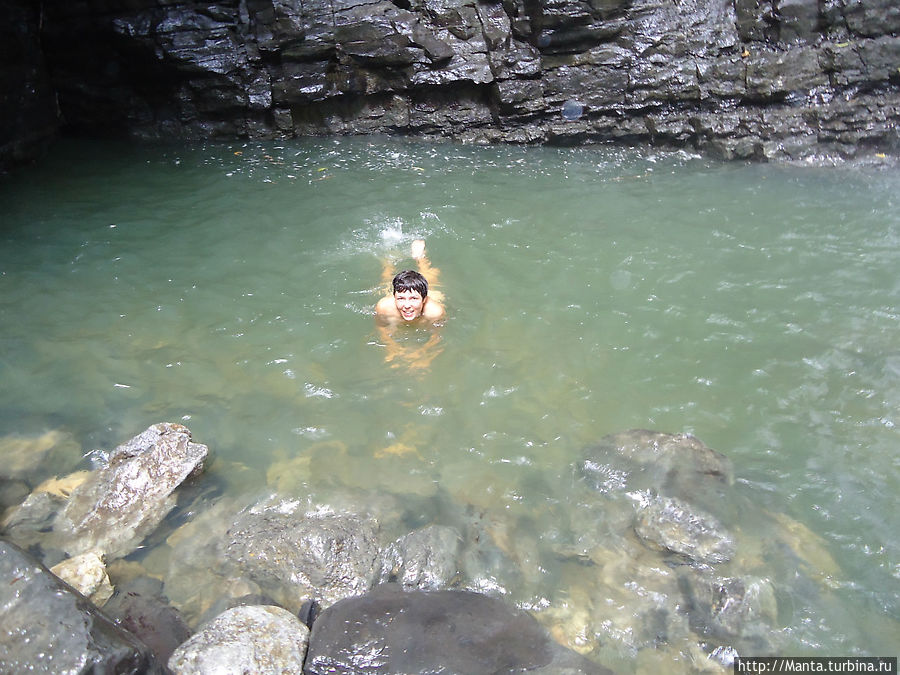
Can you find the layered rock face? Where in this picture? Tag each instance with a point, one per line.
(785, 79)
(29, 117)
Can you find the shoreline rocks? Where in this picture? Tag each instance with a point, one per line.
(643, 565)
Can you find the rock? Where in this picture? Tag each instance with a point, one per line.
(673, 525)
(122, 503)
(673, 465)
(199, 576)
(30, 523)
(12, 492)
(250, 639)
(648, 72)
(140, 608)
(426, 559)
(24, 456)
(730, 607)
(47, 627)
(86, 573)
(389, 631)
(295, 555)
(30, 112)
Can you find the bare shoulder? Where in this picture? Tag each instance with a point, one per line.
(386, 307)
(433, 310)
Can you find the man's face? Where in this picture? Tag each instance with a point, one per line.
(409, 304)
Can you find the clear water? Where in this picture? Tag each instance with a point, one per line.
(589, 291)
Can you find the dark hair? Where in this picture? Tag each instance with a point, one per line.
(410, 280)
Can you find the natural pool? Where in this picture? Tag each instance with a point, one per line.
(590, 291)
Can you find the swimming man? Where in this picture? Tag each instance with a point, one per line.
(409, 302)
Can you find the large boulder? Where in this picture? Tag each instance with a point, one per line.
(390, 632)
(48, 627)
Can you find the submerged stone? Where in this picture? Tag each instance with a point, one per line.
(730, 607)
(24, 456)
(47, 627)
(673, 465)
(672, 525)
(250, 639)
(390, 632)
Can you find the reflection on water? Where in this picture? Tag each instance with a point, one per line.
(231, 287)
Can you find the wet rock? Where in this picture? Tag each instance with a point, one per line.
(140, 608)
(47, 627)
(119, 505)
(730, 607)
(86, 573)
(31, 116)
(673, 525)
(295, 554)
(251, 639)
(426, 559)
(390, 631)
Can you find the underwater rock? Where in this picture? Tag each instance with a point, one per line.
(673, 525)
(294, 555)
(120, 504)
(672, 465)
(426, 559)
(198, 574)
(730, 607)
(48, 627)
(24, 456)
(621, 596)
(12, 493)
(86, 573)
(390, 631)
(249, 639)
(29, 523)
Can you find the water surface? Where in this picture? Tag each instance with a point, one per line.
(590, 291)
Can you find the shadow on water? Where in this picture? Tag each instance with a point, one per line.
(230, 288)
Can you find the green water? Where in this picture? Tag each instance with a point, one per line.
(589, 291)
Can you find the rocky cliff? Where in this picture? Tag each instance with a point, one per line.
(765, 79)
(29, 117)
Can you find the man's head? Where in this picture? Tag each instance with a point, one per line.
(410, 291)
(410, 280)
